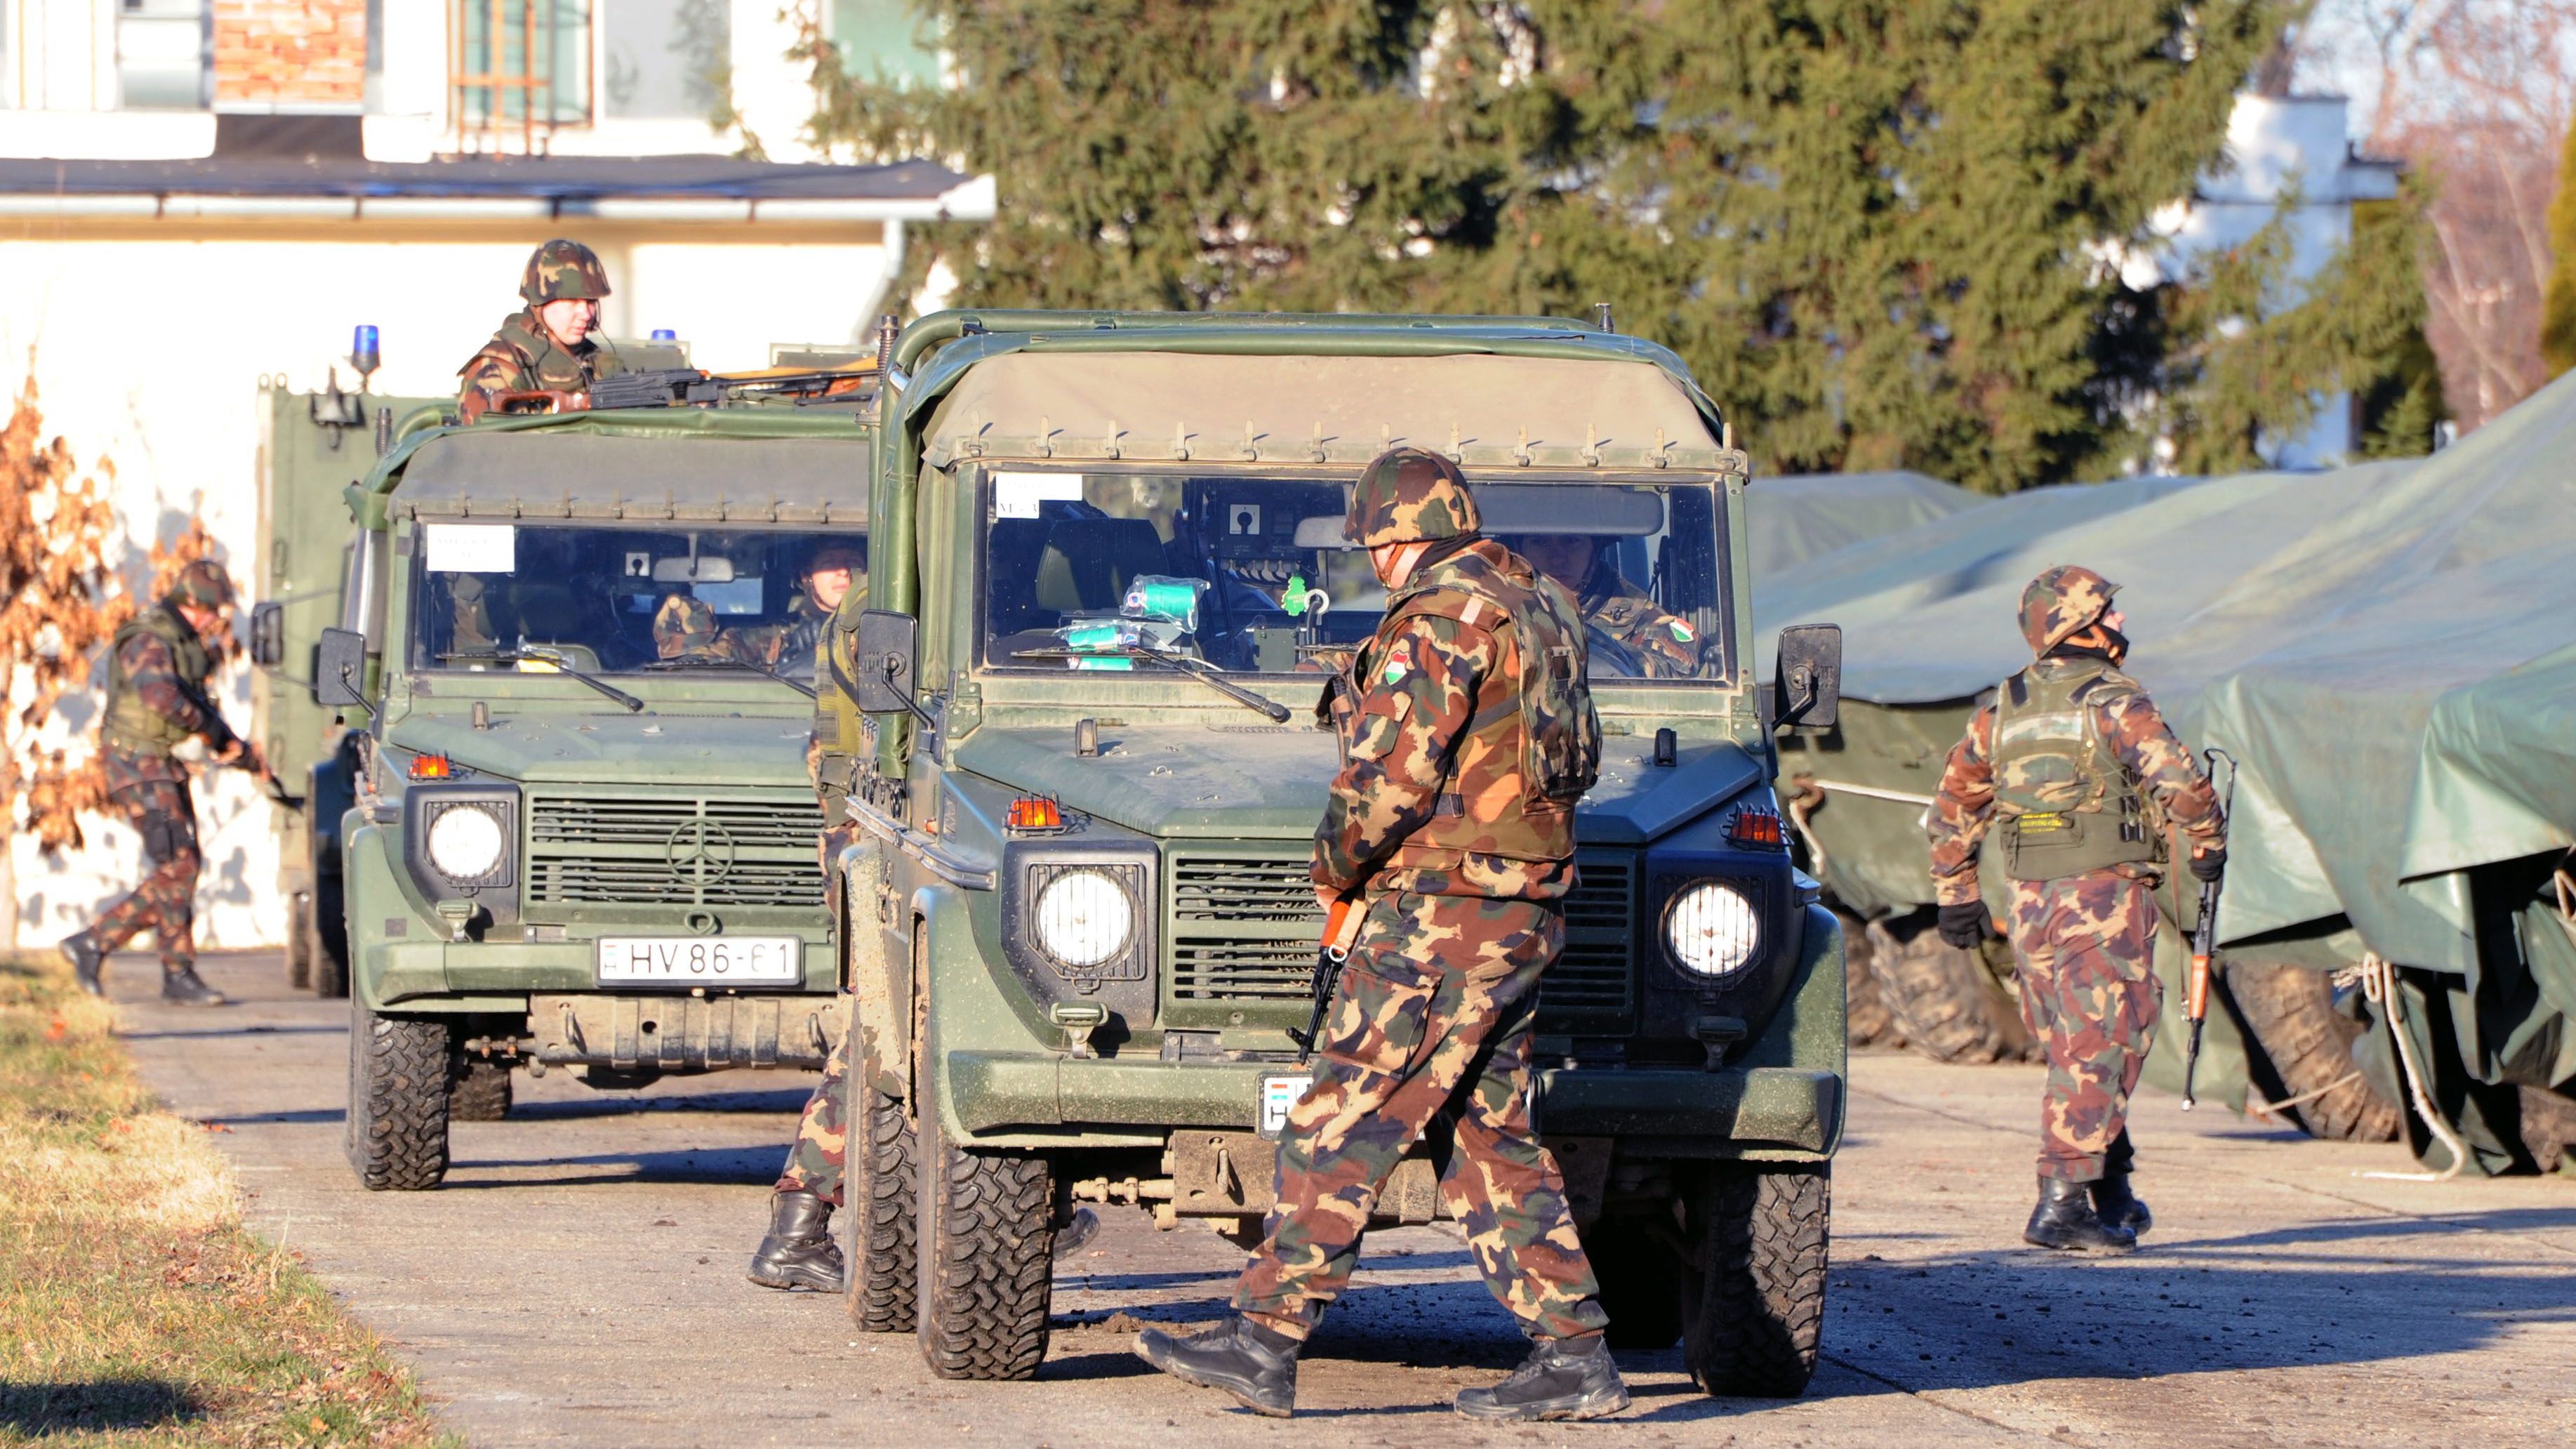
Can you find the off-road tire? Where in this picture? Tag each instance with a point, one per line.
(299, 942)
(478, 1089)
(1640, 1270)
(327, 948)
(2289, 1011)
(2548, 1128)
(1942, 998)
(987, 1255)
(1867, 1020)
(881, 1202)
(397, 1119)
(1754, 1288)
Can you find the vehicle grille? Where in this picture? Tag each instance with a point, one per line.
(673, 850)
(1245, 930)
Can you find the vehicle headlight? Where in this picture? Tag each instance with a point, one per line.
(1083, 918)
(465, 843)
(1712, 929)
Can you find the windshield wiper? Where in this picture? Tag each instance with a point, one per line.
(1178, 663)
(664, 665)
(547, 656)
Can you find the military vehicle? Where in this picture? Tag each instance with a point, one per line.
(1109, 564)
(580, 830)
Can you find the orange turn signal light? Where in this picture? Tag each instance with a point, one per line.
(431, 767)
(1755, 827)
(1034, 812)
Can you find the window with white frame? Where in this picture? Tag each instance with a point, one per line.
(165, 55)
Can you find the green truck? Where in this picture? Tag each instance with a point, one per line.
(1108, 566)
(577, 829)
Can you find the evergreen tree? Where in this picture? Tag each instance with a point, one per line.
(2558, 305)
(1882, 232)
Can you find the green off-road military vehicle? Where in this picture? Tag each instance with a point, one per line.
(1109, 569)
(581, 832)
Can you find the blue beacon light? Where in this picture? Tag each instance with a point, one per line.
(665, 334)
(364, 353)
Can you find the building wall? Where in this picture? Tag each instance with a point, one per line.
(291, 53)
(149, 342)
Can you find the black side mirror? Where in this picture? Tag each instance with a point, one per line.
(340, 669)
(889, 654)
(267, 634)
(1808, 683)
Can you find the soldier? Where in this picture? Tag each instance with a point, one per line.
(1655, 644)
(156, 700)
(2072, 765)
(1467, 735)
(547, 345)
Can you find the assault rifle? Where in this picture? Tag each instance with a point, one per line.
(1329, 957)
(2204, 934)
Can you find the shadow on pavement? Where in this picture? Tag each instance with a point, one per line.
(97, 1405)
(785, 1102)
(745, 1165)
(255, 1029)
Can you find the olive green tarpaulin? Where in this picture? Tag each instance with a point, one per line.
(1793, 519)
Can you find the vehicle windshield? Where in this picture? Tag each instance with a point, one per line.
(1251, 575)
(627, 600)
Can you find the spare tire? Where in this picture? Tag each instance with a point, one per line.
(2290, 1012)
(1945, 1002)
(1865, 1015)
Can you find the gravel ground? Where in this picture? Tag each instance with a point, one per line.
(579, 1281)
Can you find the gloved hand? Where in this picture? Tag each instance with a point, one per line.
(1964, 925)
(2208, 865)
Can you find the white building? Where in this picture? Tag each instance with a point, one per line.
(199, 195)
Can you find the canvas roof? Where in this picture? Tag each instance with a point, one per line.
(569, 473)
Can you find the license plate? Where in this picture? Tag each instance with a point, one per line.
(701, 960)
(1280, 1092)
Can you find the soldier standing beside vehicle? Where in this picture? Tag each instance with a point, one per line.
(1468, 734)
(2071, 766)
(156, 701)
(1654, 644)
(547, 345)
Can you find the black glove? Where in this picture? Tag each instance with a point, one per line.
(2209, 865)
(1964, 925)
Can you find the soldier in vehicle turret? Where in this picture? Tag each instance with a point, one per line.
(2071, 765)
(548, 345)
(1652, 644)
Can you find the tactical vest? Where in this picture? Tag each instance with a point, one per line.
(2063, 800)
(841, 733)
(132, 725)
(522, 343)
(1515, 776)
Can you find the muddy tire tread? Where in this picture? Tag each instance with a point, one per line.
(478, 1090)
(987, 1241)
(2289, 1010)
(1940, 998)
(397, 1117)
(1757, 1296)
(882, 1204)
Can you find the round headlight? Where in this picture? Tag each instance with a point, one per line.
(1083, 918)
(1712, 929)
(465, 843)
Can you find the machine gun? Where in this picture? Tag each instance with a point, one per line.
(2204, 935)
(1329, 957)
(662, 387)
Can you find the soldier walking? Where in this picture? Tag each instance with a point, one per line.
(1467, 736)
(156, 701)
(2073, 767)
(546, 346)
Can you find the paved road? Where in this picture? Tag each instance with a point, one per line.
(579, 1281)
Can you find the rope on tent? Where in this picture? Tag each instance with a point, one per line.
(2379, 984)
(2257, 1106)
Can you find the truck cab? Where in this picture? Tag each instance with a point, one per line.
(1110, 579)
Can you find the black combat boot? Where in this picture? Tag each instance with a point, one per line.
(82, 951)
(181, 986)
(2111, 1196)
(1255, 1364)
(799, 1251)
(2065, 1219)
(1563, 1378)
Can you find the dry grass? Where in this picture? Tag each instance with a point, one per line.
(134, 1310)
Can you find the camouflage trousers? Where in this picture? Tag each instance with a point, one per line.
(1429, 1033)
(165, 902)
(2089, 993)
(822, 1142)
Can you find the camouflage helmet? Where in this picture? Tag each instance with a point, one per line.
(562, 270)
(2061, 603)
(1406, 495)
(204, 584)
(683, 625)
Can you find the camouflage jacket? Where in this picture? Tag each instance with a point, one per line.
(1430, 724)
(2128, 722)
(1662, 646)
(522, 357)
(148, 674)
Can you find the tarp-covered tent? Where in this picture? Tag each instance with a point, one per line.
(2384, 647)
(1793, 519)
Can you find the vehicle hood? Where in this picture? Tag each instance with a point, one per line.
(1269, 782)
(655, 748)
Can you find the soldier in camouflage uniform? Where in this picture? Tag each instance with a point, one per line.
(156, 700)
(547, 345)
(1652, 644)
(2075, 770)
(1467, 736)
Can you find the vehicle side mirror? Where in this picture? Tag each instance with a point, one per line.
(889, 653)
(1807, 686)
(340, 668)
(267, 634)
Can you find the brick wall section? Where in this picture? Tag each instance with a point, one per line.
(291, 52)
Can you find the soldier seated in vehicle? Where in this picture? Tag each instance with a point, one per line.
(1628, 633)
(546, 346)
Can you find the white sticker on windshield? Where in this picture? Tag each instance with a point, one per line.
(1017, 495)
(473, 548)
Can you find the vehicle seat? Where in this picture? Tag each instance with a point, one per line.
(1088, 562)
